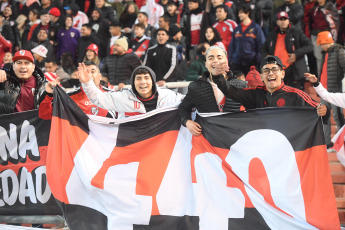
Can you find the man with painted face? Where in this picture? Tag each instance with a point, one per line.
(21, 86)
(144, 96)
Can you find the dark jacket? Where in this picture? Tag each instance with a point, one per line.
(246, 46)
(119, 68)
(295, 12)
(101, 29)
(197, 68)
(335, 67)
(10, 90)
(84, 42)
(295, 42)
(108, 13)
(201, 96)
(162, 59)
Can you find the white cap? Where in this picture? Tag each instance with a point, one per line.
(40, 50)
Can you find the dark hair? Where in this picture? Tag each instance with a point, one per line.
(140, 25)
(201, 48)
(245, 9)
(238, 73)
(223, 7)
(142, 71)
(87, 25)
(216, 38)
(165, 17)
(34, 11)
(162, 29)
(51, 59)
(88, 63)
(144, 13)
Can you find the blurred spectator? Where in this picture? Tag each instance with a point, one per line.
(162, 58)
(172, 13)
(143, 19)
(332, 74)
(197, 66)
(67, 39)
(24, 81)
(164, 23)
(164, 4)
(72, 81)
(175, 40)
(266, 8)
(7, 37)
(153, 11)
(295, 11)
(42, 39)
(191, 25)
(255, 11)
(30, 25)
(7, 59)
(245, 46)
(79, 17)
(322, 16)
(100, 26)
(141, 42)
(51, 66)
(212, 14)
(87, 38)
(127, 19)
(212, 37)
(240, 75)
(224, 26)
(7, 13)
(91, 54)
(67, 62)
(56, 23)
(115, 33)
(119, 65)
(291, 45)
(43, 25)
(40, 54)
(107, 11)
(253, 78)
(46, 5)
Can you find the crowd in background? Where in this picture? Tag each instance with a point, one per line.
(169, 36)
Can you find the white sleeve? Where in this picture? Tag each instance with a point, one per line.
(337, 99)
(105, 100)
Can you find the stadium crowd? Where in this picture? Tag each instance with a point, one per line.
(171, 38)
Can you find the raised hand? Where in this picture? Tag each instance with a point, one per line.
(51, 84)
(311, 77)
(84, 74)
(3, 76)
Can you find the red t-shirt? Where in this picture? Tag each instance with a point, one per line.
(25, 99)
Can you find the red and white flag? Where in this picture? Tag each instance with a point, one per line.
(247, 171)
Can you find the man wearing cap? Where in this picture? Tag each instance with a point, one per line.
(332, 74)
(21, 86)
(120, 65)
(40, 54)
(56, 23)
(143, 97)
(294, 10)
(291, 45)
(274, 94)
(162, 58)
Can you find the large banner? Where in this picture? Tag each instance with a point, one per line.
(261, 169)
(23, 151)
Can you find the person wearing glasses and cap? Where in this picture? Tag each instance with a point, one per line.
(290, 44)
(274, 94)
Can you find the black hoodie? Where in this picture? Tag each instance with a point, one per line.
(100, 28)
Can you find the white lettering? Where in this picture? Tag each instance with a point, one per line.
(28, 140)
(43, 197)
(29, 190)
(8, 142)
(7, 175)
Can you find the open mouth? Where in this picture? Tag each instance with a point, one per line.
(271, 79)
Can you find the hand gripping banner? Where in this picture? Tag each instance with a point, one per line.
(261, 169)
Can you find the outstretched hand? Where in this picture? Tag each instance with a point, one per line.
(51, 84)
(311, 77)
(84, 74)
(219, 68)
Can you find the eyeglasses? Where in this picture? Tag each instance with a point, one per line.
(267, 70)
